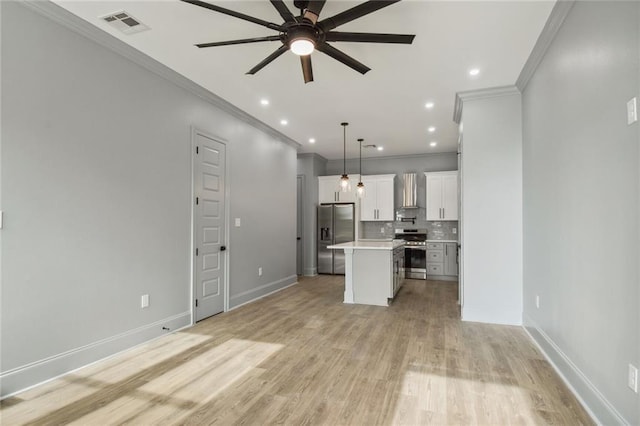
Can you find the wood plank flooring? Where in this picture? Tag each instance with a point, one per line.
(301, 356)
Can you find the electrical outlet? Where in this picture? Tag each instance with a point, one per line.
(633, 378)
(382, 230)
(454, 230)
(144, 301)
(260, 271)
(237, 222)
(537, 301)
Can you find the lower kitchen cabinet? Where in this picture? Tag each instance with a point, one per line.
(451, 259)
(442, 261)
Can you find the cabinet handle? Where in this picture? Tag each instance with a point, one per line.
(443, 215)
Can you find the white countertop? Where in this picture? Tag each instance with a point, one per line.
(442, 241)
(368, 245)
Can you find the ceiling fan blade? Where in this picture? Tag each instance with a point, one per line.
(313, 10)
(307, 70)
(283, 10)
(266, 61)
(338, 55)
(241, 41)
(235, 14)
(354, 13)
(370, 37)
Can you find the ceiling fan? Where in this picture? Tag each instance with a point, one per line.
(305, 33)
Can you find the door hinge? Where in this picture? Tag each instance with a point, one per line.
(197, 200)
(196, 251)
(197, 150)
(196, 303)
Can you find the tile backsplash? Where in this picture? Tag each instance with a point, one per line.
(436, 230)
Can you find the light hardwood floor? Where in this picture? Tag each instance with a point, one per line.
(303, 357)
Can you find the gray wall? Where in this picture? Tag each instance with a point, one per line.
(581, 211)
(96, 190)
(399, 166)
(491, 206)
(310, 166)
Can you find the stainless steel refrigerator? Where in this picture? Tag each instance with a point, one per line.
(336, 224)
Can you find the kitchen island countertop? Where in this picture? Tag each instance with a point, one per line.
(368, 245)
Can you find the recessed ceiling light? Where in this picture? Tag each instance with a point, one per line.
(264, 102)
(431, 129)
(380, 148)
(474, 71)
(433, 143)
(428, 105)
(312, 140)
(284, 122)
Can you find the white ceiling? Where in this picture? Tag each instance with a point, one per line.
(386, 106)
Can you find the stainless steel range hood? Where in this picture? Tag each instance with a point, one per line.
(409, 191)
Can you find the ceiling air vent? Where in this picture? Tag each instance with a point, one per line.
(124, 22)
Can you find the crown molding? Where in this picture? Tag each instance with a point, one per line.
(471, 95)
(554, 23)
(311, 155)
(76, 24)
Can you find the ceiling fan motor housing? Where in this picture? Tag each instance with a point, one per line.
(302, 31)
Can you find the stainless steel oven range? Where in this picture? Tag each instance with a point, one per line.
(415, 254)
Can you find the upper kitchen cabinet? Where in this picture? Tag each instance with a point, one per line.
(442, 195)
(377, 203)
(329, 190)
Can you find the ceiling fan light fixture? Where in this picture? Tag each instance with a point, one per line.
(302, 46)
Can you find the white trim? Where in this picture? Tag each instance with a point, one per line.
(349, 296)
(472, 95)
(600, 409)
(65, 18)
(263, 295)
(44, 370)
(554, 23)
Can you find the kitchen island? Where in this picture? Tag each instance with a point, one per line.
(374, 271)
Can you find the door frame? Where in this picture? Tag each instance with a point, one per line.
(192, 258)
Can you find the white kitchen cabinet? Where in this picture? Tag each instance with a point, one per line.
(377, 203)
(329, 189)
(442, 195)
(451, 259)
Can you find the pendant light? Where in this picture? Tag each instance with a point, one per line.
(360, 186)
(345, 185)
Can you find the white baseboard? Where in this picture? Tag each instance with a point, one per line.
(262, 291)
(598, 407)
(33, 374)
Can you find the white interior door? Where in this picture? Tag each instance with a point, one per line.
(209, 226)
(300, 225)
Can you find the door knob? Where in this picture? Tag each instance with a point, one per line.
(223, 248)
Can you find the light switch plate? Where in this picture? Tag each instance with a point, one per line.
(632, 111)
(633, 378)
(144, 301)
(237, 222)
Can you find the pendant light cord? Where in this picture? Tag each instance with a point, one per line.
(344, 148)
(360, 140)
